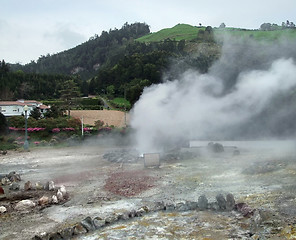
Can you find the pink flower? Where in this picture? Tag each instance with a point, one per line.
(37, 143)
(55, 130)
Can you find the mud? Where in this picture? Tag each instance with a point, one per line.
(263, 178)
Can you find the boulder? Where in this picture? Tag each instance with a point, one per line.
(39, 186)
(230, 202)
(63, 190)
(2, 209)
(221, 201)
(24, 205)
(54, 199)
(14, 186)
(215, 147)
(79, 229)
(60, 195)
(28, 186)
(44, 200)
(98, 222)
(50, 186)
(202, 202)
(5, 181)
(67, 233)
(88, 224)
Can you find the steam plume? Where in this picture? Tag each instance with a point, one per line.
(227, 102)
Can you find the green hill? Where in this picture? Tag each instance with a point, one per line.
(178, 32)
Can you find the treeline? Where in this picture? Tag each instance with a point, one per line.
(86, 58)
(20, 85)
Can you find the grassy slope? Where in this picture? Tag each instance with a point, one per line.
(188, 32)
(178, 32)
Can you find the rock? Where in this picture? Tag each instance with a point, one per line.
(2, 209)
(215, 147)
(202, 202)
(113, 218)
(123, 216)
(182, 206)
(60, 195)
(230, 202)
(98, 222)
(192, 205)
(14, 186)
(55, 236)
(244, 209)
(5, 181)
(43, 201)
(67, 233)
(28, 186)
(88, 224)
(63, 190)
(158, 206)
(24, 205)
(1, 190)
(79, 229)
(39, 186)
(221, 201)
(214, 206)
(50, 186)
(54, 199)
(14, 177)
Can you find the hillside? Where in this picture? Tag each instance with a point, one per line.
(178, 32)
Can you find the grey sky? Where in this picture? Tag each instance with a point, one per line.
(31, 28)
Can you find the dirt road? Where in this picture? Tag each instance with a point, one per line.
(262, 179)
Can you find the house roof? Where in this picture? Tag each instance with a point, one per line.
(23, 103)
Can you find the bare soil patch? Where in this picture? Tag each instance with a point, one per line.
(110, 117)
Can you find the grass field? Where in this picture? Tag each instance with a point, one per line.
(188, 32)
(178, 32)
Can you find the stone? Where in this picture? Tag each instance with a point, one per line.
(158, 206)
(182, 206)
(24, 205)
(192, 205)
(244, 209)
(63, 190)
(14, 177)
(215, 147)
(50, 186)
(113, 218)
(14, 186)
(54, 199)
(88, 224)
(60, 195)
(5, 181)
(1, 190)
(2, 209)
(55, 236)
(202, 202)
(28, 186)
(44, 200)
(169, 207)
(214, 206)
(39, 186)
(79, 229)
(221, 201)
(67, 233)
(230, 202)
(98, 222)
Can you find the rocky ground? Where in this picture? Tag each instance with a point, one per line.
(106, 193)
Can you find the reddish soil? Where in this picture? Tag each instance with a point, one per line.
(129, 183)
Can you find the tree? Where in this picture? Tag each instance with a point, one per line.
(35, 113)
(53, 112)
(3, 124)
(222, 25)
(69, 92)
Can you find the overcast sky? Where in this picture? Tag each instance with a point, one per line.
(31, 28)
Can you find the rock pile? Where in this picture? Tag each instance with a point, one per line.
(42, 194)
(120, 156)
(89, 224)
(10, 178)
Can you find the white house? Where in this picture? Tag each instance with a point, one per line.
(16, 108)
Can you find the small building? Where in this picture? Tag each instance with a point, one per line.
(16, 108)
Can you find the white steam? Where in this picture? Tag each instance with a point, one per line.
(195, 106)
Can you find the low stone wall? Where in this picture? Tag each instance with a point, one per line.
(90, 224)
